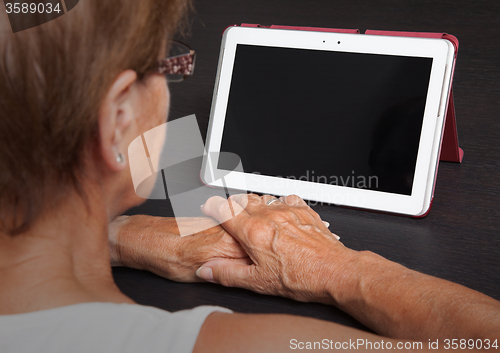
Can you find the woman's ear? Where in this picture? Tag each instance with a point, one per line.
(116, 115)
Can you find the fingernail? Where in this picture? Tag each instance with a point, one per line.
(202, 206)
(326, 224)
(205, 273)
(336, 236)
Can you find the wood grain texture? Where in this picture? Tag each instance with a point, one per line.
(459, 240)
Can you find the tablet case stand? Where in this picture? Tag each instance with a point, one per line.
(450, 152)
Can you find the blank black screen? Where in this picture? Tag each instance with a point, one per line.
(329, 117)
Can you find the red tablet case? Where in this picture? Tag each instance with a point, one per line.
(450, 152)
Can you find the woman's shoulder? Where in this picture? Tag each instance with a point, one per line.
(103, 327)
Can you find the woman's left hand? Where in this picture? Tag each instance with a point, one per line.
(154, 244)
(291, 251)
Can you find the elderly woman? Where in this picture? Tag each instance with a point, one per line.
(74, 93)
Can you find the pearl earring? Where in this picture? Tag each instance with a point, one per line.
(119, 158)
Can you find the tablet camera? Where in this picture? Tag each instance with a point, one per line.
(338, 42)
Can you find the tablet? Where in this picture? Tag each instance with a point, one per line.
(346, 119)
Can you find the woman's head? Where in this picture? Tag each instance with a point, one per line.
(56, 82)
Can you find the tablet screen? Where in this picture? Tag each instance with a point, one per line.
(338, 118)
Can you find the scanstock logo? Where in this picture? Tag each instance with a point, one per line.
(25, 14)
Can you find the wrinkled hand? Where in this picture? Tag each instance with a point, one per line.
(291, 251)
(154, 244)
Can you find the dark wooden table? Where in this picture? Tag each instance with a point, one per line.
(459, 240)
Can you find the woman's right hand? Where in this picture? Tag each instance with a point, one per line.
(292, 253)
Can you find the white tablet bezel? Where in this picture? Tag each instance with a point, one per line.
(441, 51)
